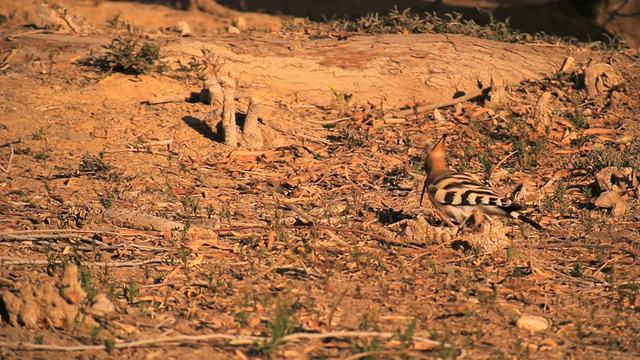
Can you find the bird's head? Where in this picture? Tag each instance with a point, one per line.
(435, 159)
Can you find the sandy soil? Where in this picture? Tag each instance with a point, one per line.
(129, 229)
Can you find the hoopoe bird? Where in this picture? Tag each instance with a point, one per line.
(457, 194)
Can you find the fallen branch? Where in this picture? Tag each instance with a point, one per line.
(438, 105)
(260, 275)
(144, 147)
(10, 143)
(629, 252)
(298, 270)
(67, 232)
(231, 340)
(140, 220)
(8, 162)
(163, 99)
(21, 261)
(45, 237)
(26, 33)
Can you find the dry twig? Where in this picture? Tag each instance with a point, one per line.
(21, 261)
(232, 340)
(438, 105)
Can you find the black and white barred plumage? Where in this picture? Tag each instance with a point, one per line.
(457, 194)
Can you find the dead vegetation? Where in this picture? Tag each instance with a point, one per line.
(408, 22)
(313, 244)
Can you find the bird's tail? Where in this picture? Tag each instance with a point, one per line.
(517, 215)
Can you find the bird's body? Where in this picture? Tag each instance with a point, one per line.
(457, 194)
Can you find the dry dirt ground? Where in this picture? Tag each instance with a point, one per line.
(128, 228)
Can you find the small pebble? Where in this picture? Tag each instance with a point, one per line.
(532, 323)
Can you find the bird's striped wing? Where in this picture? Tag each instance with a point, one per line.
(459, 189)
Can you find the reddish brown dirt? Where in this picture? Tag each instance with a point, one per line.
(319, 232)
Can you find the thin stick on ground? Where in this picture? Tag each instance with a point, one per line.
(260, 275)
(629, 252)
(21, 261)
(334, 307)
(438, 105)
(8, 162)
(144, 147)
(10, 143)
(232, 340)
(497, 166)
(71, 232)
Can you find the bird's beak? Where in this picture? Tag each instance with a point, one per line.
(441, 145)
(424, 189)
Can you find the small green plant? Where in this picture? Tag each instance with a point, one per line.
(39, 134)
(210, 211)
(446, 350)
(93, 166)
(107, 200)
(94, 332)
(498, 30)
(109, 345)
(527, 148)
(587, 220)
(242, 317)
(51, 56)
(281, 325)
(190, 205)
(486, 159)
(364, 322)
(634, 293)
(463, 164)
(340, 98)
(561, 189)
(579, 329)
(131, 291)
(578, 269)
(372, 346)
(42, 156)
(279, 226)
(406, 336)
(184, 254)
(142, 309)
(610, 155)
(512, 253)
(86, 281)
(127, 55)
(116, 23)
(577, 119)
(9, 17)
